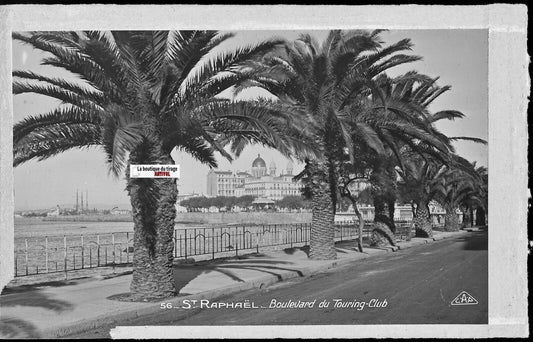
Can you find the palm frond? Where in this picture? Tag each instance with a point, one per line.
(65, 96)
(52, 141)
(121, 134)
(199, 150)
(445, 114)
(86, 92)
(473, 139)
(228, 61)
(59, 116)
(370, 137)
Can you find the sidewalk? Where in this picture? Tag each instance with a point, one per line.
(59, 308)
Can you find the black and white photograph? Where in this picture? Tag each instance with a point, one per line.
(204, 180)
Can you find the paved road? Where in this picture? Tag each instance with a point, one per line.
(413, 286)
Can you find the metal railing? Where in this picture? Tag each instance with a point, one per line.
(66, 253)
(232, 239)
(51, 254)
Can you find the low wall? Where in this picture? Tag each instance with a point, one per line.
(242, 218)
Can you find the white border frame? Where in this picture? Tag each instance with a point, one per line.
(508, 90)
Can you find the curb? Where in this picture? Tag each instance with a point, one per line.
(412, 243)
(423, 241)
(113, 275)
(388, 248)
(150, 308)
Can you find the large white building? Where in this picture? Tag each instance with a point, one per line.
(260, 182)
(225, 183)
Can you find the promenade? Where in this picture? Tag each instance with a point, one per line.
(60, 308)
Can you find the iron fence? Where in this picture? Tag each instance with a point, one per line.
(74, 252)
(232, 239)
(65, 253)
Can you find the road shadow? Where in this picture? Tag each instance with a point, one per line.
(11, 327)
(37, 286)
(262, 268)
(35, 298)
(477, 241)
(184, 274)
(292, 250)
(340, 247)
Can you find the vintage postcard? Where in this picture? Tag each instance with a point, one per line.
(263, 171)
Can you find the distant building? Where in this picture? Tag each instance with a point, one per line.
(260, 182)
(367, 211)
(239, 191)
(181, 209)
(358, 185)
(263, 203)
(184, 197)
(435, 208)
(117, 211)
(54, 212)
(437, 213)
(259, 168)
(401, 212)
(224, 183)
(187, 196)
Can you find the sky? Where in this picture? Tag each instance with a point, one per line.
(458, 57)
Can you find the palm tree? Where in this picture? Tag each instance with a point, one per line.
(388, 124)
(405, 96)
(455, 190)
(480, 199)
(419, 179)
(458, 184)
(420, 162)
(141, 95)
(397, 102)
(451, 183)
(475, 200)
(323, 81)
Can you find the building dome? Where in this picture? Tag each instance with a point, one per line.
(259, 168)
(272, 169)
(289, 167)
(259, 162)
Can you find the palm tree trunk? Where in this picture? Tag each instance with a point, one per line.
(480, 216)
(361, 227)
(391, 208)
(154, 212)
(322, 243)
(466, 217)
(382, 232)
(382, 212)
(361, 224)
(412, 226)
(451, 220)
(422, 220)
